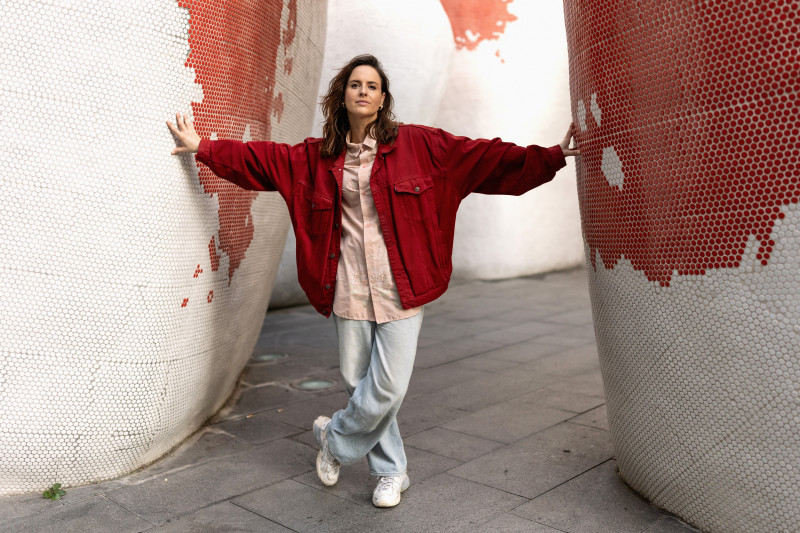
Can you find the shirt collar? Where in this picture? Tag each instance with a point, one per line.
(369, 142)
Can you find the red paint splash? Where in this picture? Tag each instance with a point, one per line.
(700, 104)
(474, 21)
(234, 49)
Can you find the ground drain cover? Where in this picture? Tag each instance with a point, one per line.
(314, 384)
(270, 357)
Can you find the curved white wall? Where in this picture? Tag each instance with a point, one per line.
(514, 86)
(522, 96)
(134, 283)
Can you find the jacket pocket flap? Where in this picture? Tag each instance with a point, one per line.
(321, 202)
(415, 185)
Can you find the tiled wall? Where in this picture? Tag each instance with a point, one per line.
(134, 283)
(689, 186)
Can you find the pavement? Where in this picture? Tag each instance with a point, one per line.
(504, 425)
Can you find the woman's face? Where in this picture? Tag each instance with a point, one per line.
(362, 95)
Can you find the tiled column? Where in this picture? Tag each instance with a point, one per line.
(689, 182)
(134, 283)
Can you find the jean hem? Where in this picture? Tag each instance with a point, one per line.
(387, 474)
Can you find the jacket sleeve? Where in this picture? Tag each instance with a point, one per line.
(492, 166)
(252, 165)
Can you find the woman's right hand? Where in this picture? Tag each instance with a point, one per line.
(186, 135)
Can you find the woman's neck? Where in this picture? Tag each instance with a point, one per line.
(358, 129)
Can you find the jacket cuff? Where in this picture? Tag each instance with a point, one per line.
(203, 151)
(556, 156)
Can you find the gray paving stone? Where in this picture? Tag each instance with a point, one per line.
(288, 370)
(222, 517)
(303, 414)
(532, 312)
(496, 388)
(326, 354)
(14, 506)
(597, 501)
(447, 351)
(419, 414)
(300, 507)
(356, 483)
(427, 380)
(452, 444)
(95, 514)
(534, 465)
(484, 363)
(524, 352)
(444, 503)
(157, 500)
(484, 308)
(568, 363)
(670, 524)
(307, 439)
(509, 523)
(257, 429)
(577, 317)
(204, 445)
(589, 383)
(581, 331)
(596, 418)
(257, 399)
(521, 333)
(86, 492)
(563, 399)
(509, 421)
(564, 340)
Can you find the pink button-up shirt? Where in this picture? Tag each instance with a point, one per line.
(365, 286)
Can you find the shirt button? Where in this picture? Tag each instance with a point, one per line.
(416, 189)
(327, 285)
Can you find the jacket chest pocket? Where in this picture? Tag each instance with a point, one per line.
(414, 198)
(319, 210)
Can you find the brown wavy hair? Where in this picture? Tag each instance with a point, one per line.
(334, 131)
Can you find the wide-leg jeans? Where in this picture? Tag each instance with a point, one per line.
(376, 361)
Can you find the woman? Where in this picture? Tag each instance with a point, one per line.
(373, 204)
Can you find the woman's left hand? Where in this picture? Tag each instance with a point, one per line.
(565, 143)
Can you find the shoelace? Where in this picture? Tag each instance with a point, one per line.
(386, 484)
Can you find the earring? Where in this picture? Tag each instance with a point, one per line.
(381, 107)
(343, 104)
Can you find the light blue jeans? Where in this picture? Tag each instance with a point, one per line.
(376, 361)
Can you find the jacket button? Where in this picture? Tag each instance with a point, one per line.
(336, 226)
(312, 204)
(333, 255)
(416, 189)
(327, 285)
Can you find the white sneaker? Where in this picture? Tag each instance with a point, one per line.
(327, 465)
(387, 493)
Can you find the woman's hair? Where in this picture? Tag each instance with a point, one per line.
(334, 132)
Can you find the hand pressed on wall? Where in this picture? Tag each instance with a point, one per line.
(575, 151)
(186, 135)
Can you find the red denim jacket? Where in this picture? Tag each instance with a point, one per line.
(417, 184)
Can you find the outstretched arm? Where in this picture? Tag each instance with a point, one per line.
(492, 166)
(252, 165)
